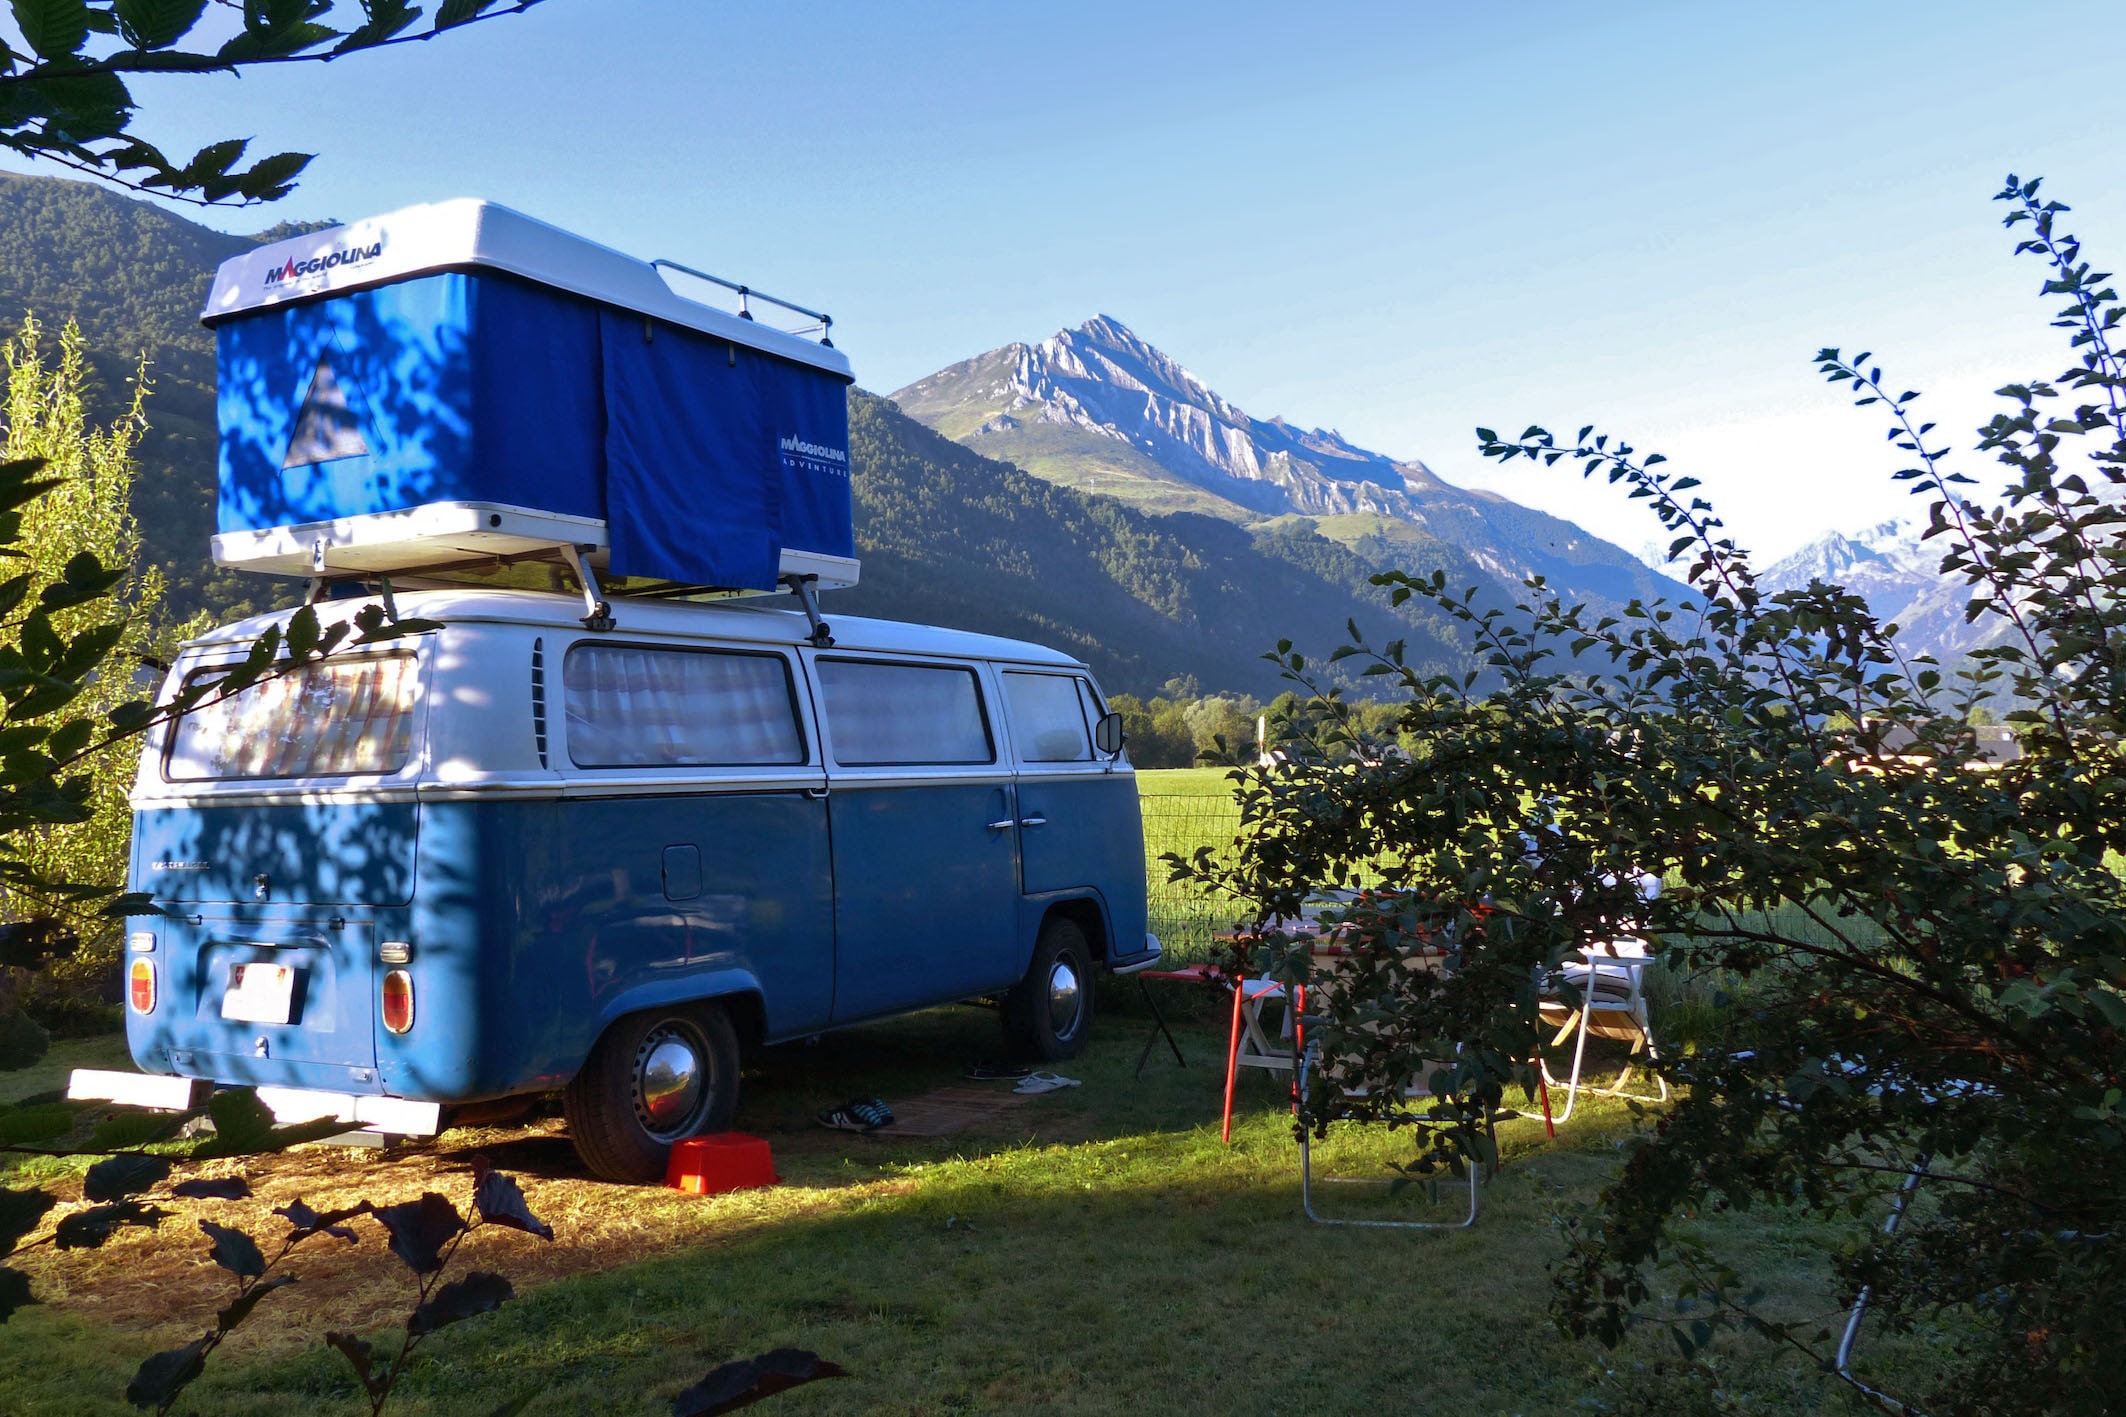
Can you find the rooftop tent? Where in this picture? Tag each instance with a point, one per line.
(455, 383)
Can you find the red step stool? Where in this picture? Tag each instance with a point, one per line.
(721, 1161)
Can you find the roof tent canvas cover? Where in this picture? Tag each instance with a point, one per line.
(376, 375)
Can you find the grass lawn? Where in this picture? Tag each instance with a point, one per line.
(1082, 1252)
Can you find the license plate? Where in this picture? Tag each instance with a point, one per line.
(259, 993)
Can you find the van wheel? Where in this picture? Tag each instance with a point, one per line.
(1049, 1014)
(654, 1078)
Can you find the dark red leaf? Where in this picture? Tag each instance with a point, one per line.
(241, 1309)
(500, 1202)
(122, 1176)
(85, 1230)
(163, 1376)
(14, 1292)
(357, 1351)
(20, 1213)
(306, 1222)
(747, 1381)
(420, 1229)
(234, 1251)
(480, 1292)
(220, 1188)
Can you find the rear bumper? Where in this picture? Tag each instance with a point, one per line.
(391, 1116)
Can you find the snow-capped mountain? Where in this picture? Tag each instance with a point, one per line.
(1900, 578)
(1101, 409)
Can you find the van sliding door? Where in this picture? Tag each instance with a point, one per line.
(925, 854)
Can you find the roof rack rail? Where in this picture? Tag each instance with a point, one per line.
(823, 322)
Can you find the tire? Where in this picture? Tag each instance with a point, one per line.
(1049, 1015)
(623, 1110)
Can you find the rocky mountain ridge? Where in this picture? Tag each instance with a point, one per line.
(1101, 409)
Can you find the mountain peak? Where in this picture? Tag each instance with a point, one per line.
(1099, 407)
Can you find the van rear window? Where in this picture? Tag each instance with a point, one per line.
(331, 718)
(633, 707)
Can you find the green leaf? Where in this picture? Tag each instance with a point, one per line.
(27, 1126)
(56, 29)
(272, 177)
(256, 44)
(155, 24)
(130, 1129)
(458, 12)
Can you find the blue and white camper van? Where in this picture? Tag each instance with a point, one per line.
(588, 838)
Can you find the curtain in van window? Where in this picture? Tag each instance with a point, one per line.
(635, 707)
(881, 714)
(1047, 722)
(338, 718)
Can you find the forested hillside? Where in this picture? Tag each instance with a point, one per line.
(949, 536)
(134, 277)
(946, 535)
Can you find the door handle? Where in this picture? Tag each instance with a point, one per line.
(1004, 826)
(1036, 820)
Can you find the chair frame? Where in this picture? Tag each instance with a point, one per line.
(1302, 1055)
(1602, 960)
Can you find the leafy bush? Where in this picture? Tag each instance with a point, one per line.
(1928, 957)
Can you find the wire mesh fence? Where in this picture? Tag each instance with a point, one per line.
(1184, 916)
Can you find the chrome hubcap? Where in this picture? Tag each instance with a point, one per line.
(1063, 998)
(668, 1081)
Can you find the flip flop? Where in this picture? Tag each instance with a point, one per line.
(995, 1072)
(1037, 1083)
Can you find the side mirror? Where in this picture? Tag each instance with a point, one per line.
(1108, 735)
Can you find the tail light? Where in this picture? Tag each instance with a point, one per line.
(398, 1001)
(140, 985)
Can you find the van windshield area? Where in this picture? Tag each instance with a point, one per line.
(332, 718)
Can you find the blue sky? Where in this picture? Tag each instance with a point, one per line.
(1400, 221)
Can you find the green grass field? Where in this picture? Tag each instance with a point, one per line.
(1185, 808)
(1082, 1252)
(1092, 1250)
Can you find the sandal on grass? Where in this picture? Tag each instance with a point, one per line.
(1036, 1083)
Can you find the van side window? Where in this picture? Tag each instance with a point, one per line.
(634, 707)
(332, 718)
(1046, 720)
(881, 714)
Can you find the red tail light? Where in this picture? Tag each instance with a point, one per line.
(398, 1001)
(140, 985)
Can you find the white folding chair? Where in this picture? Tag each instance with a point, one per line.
(1308, 1061)
(1612, 1004)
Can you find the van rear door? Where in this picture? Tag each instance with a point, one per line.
(273, 828)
